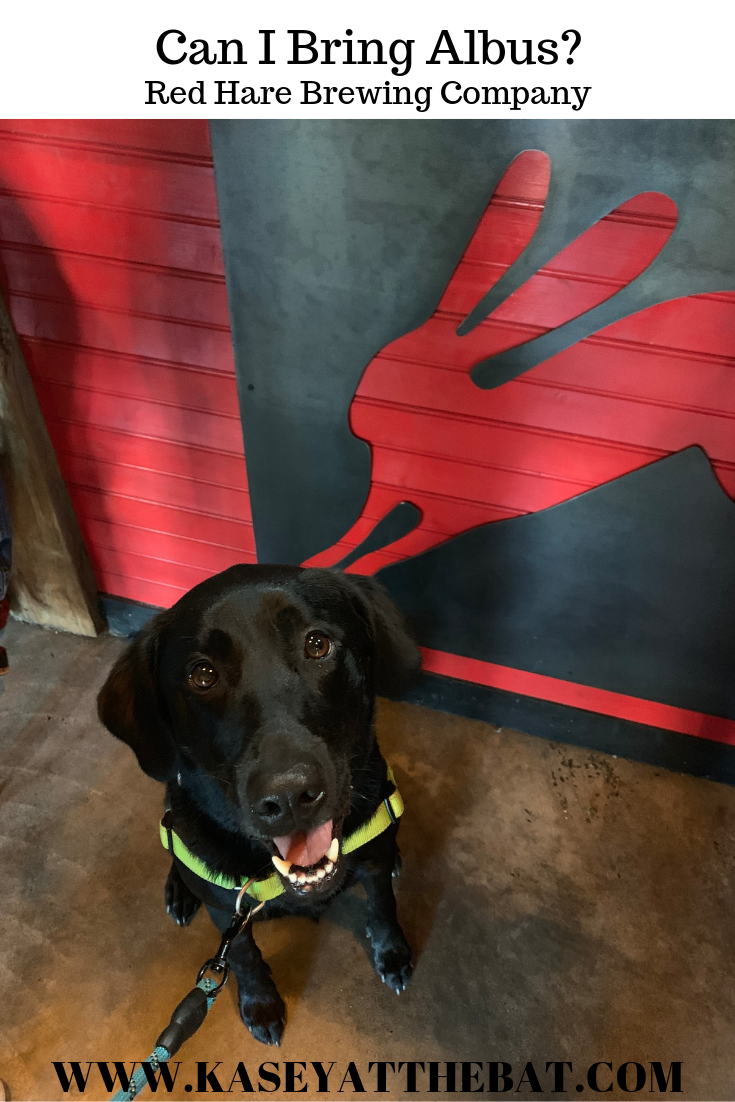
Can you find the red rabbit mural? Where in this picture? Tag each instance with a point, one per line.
(465, 456)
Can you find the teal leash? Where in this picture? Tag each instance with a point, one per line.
(161, 1053)
(194, 1007)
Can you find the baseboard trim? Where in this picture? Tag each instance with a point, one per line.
(124, 617)
(701, 757)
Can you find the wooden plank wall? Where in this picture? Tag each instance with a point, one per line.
(111, 263)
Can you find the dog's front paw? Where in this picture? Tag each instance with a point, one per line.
(264, 1016)
(181, 903)
(391, 955)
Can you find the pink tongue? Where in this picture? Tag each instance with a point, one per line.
(305, 849)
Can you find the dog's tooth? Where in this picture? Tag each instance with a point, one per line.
(333, 851)
(282, 866)
(328, 867)
(293, 877)
(321, 873)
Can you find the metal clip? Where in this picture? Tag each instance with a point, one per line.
(216, 966)
(218, 963)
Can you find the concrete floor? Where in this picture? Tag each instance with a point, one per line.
(563, 905)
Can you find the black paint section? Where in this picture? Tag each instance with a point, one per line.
(576, 727)
(396, 524)
(341, 236)
(629, 587)
(338, 237)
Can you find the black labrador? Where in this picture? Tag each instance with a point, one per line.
(253, 700)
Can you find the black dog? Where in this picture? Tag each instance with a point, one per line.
(253, 700)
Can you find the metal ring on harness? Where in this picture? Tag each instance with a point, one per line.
(241, 895)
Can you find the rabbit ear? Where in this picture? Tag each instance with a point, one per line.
(523, 187)
(129, 703)
(608, 256)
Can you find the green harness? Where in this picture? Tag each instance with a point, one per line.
(271, 886)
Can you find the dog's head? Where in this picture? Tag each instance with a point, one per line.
(257, 689)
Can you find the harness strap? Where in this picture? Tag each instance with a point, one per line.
(389, 812)
(269, 887)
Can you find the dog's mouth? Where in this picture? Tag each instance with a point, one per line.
(308, 860)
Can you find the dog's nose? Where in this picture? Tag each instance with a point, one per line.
(290, 799)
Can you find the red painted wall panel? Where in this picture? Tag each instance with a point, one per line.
(111, 263)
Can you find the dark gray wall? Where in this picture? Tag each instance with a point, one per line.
(340, 237)
(629, 587)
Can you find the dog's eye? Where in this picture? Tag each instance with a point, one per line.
(203, 675)
(317, 645)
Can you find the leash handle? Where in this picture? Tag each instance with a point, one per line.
(185, 1020)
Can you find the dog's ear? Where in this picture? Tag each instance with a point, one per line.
(129, 703)
(397, 658)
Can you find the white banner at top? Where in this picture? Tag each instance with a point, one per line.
(383, 59)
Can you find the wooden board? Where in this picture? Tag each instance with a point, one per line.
(52, 581)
